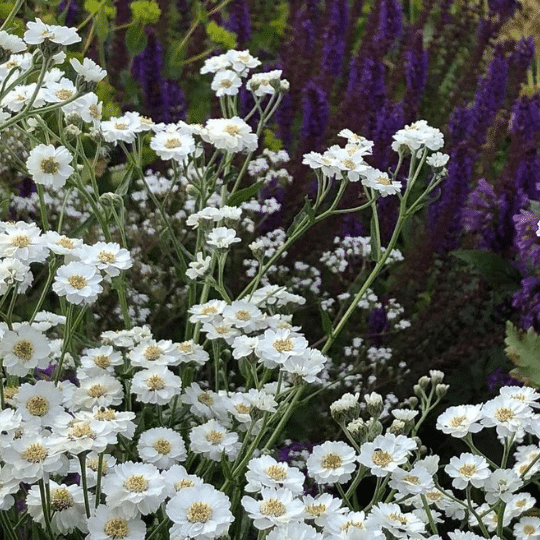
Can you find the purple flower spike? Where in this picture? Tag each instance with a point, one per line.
(316, 110)
(334, 39)
(239, 22)
(527, 300)
(390, 26)
(416, 70)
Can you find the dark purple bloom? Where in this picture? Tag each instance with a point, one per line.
(504, 8)
(377, 320)
(315, 110)
(526, 117)
(352, 226)
(239, 22)
(527, 241)
(294, 451)
(334, 39)
(72, 11)
(390, 24)
(527, 300)
(416, 70)
(496, 380)
(461, 124)
(480, 214)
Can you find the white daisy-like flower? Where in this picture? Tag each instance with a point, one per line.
(226, 82)
(386, 453)
(212, 440)
(177, 478)
(230, 134)
(265, 83)
(61, 244)
(244, 315)
(242, 61)
(157, 384)
(23, 241)
(24, 349)
(21, 96)
(400, 524)
(277, 507)
(123, 128)
(163, 447)
(296, 530)
(37, 32)
(207, 311)
(460, 420)
(152, 352)
(59, 91)
(520, 503)
(200, 512)
(509, 416)
(101, 391)
(192, 352)
(527, 528)
(468, 469)
(222, 237)
(526, 460)
(50, 166)
(198, 267)
(332, 462)
(14, 273)
(380, 181)
(275, 346)
(41, 402)
(215, 64)
(88, 70)
(321, 508)
(437, 160)
(10, 43)
(100, 360)
(414, 482)
(88, 107)
(173, 143)
(92, 464)
(108, 257)
(135, 487)
(349, 161)
(525, 394)
(265, 471)
(78, 282)
(111, 523)
(501, 484)
(418, 134)
(352, 526)
(66, 504)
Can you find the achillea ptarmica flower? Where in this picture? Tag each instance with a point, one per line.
(200, 512)
(49, 166)
(468, 469)
(38, 32)
(212, 440)
(23, 350)
(163, 447)
(78, 282)
(88, 70)
(331, 462)
(108, 523)
(265, 471)
(460, 420)
(106, 256)
(231, 134)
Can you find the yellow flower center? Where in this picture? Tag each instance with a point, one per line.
(96, 391)
(199, 512)
(276, 472)
(102, 361)
(503, 414)
(153, 352)
(468, 469)
(173, 143)
(162, 446)
(35, 453)
(63, 93)
(61, 499)
(283, 345)
(315, 509)
(49, 165)
(243, 315)
(81, 430)
(381, 458)
(116, 528)
(106, 257)
(21, 240)
(136, 483)
(77, 282)
(272, 507)
(23, 349)
(155, 382)
(214, 437)
(205, 398)
(38, 406)
(65, 242)
(457, 421)
(331, 461)
(183, 484)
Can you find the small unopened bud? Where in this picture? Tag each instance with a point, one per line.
(413, 402)
(345, 409)
(397, 427)
(436, 376)
(358, 430)
(72, 131)
(422, 450)
(374, 404)
(441, 390)
(418, 390)
(284, 85)
(424, 382)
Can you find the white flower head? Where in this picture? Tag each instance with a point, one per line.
(332, 462)
(163, 447)
(265, 471)
(109, 523)
(49, 166)
(88, 70)
(230, 134)
(37, 32)
(226, 83)
(24, 349)
(468, 469)
(380, 181)
(212, 440)
(78, 282)
(222, 237)
(460, 420)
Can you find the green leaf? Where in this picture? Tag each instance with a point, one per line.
(242, 195)
(136, 40)
(200, 12)
(523, 349)
(306, 211)
(174, 59)
(93, 6)
(326, 322)
(220, 35)
(493, 268)
(101, 25)
(144, 12)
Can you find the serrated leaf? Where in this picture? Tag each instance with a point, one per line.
(136, 40)
(326, 322)
(243, 195)
(307, 210)
(493, 268)
(220, 35)
(523, 349)
(93, 6)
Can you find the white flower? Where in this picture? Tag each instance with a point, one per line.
(417, 135)
(213, 440)
(244, 315)
(278, 345)
(527, 528)
(509, 416)
(111, 523)
(437, 160)
(200, 513)
(163, 447)
(192, 352)
(380, 181)
(21, 95)
(389, 516)
(501, 484)
(198, 267)
(332, 462)
(215, 64)
(135, 487)
(231, 134)
(519, 503)
(321, 508)
(294, 530)
(24, 349)
(156, 385)
(226, 82)
(88, 107)
(100, 360)
(123, 129)
(524, 457)
(468, 469)
(78, 282)
(460, 420)
(222, 237)
(24, 242)
(386, 453)
(171, 143)
(41, 401)
(11, 43)
(524, 394)
(151, 352)
(62, 245)
(14, 273)
(177, 478)
(101, 391)
(265, 471)
(106, 256)
(66, 504)
(37, 32)
(265, 83)
(88, 70)
(242, 61)
(59, 91)
(277, 507)
(416, 481)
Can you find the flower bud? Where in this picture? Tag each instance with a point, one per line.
(397, 427)
(424, 382)
(358, 430)
(375, 429)
(413, 402)
(345, 409)
(374, 404)
(441, 390)
(436, 376)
